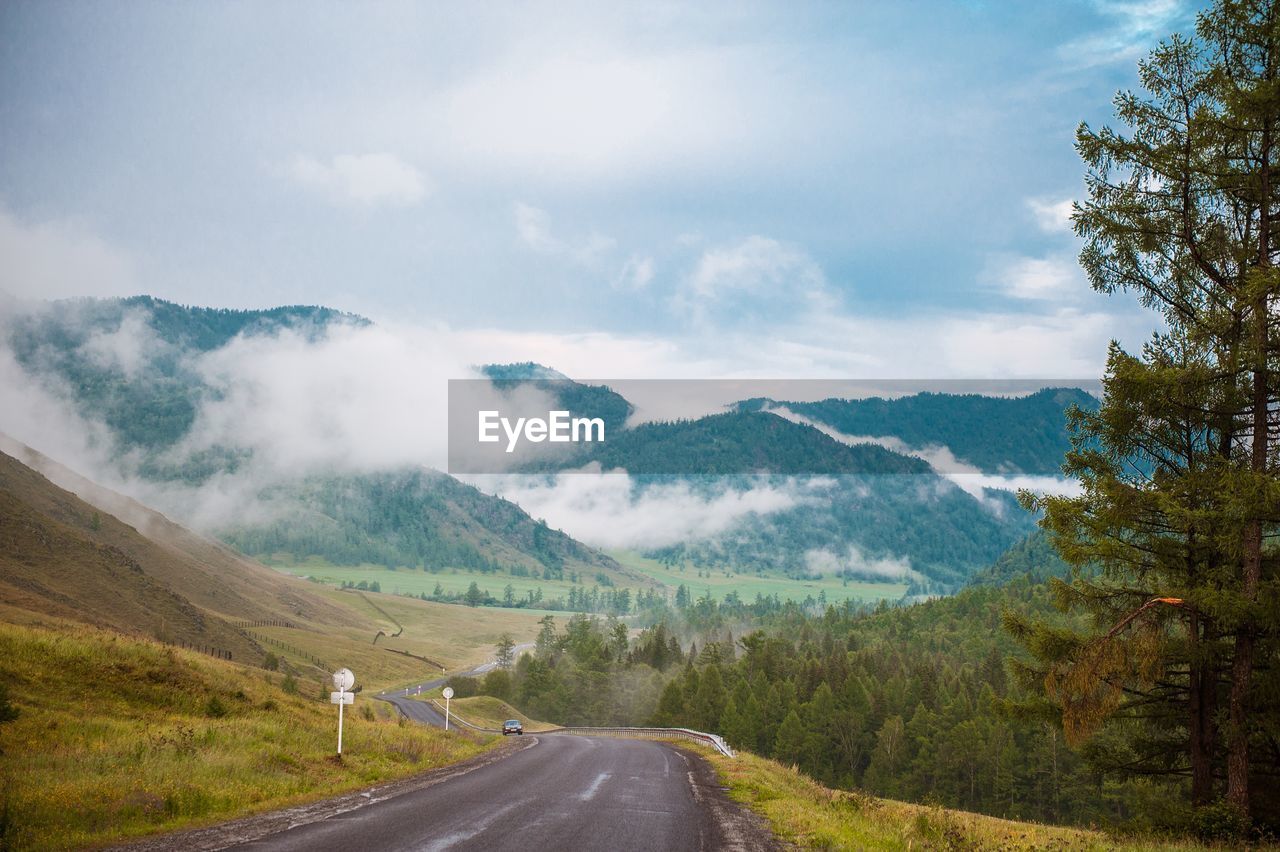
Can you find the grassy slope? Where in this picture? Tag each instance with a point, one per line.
(484, 711)
(121, 737)
(59, 556)
(212, 576)
(457, 636)
(804, 813)
(64, 555)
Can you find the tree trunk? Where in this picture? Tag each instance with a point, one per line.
(1201, 706)
(1242, 665)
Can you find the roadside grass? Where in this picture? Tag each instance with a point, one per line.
(120, 737)
(810, 816)
(487, 712)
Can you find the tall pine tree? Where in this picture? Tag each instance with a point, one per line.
(1181, 495)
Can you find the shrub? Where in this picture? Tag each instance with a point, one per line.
(498, 684)
(7, 711)
(464, 687)
(1220, 821)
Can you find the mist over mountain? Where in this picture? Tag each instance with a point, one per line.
(304, 431)
(128, 362)
(417, 519)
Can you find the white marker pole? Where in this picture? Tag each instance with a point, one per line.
(448, 693)
(340, 703)
(343, 679)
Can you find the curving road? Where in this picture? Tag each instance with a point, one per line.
(556, 791)
(421, 711)
(560, 792)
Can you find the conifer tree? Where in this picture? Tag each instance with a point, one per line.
(1180, 486)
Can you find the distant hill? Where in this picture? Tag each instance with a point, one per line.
(150, 402)
(1024, 434)
(418, 519)
(1033, 558)
(575, 397)
(885, 508)
(741, 442)
(409, 517)
(918, 529)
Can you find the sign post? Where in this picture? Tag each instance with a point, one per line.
(448, 693)
(343, 679)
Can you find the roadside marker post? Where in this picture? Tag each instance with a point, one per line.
(343, 679)
(448, 693)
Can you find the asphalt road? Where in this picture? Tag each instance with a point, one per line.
(563, 792)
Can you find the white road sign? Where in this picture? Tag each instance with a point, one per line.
(343, 679)
(448, 692)
(342, 698)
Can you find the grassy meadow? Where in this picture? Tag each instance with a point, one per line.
(641, 573)
(119, 737)
(458, 637)
(721, 582)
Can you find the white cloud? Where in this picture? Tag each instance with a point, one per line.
(533, 227)
(939, 457)
(757, 276)
(60, 259)
(375, 397)
(858, 564)
(1134, 28)
(1051, 278)
(636, 274)
(606, 510)
(368, 180)
(361, 398)
(1053, 216)
(40, 415)
(128, 348)
(574, 113)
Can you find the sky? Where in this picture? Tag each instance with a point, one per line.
(638, 190)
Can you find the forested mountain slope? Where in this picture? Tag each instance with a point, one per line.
(419, 519)
(860, 511)
(979, 430)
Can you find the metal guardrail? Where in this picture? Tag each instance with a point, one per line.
(714, 740)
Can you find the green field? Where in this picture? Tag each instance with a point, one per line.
(409, 581)
(640, 573)
(721, 583)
